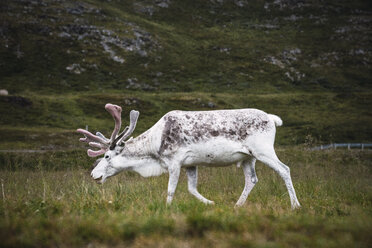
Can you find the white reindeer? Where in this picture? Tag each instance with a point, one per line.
(190, 139)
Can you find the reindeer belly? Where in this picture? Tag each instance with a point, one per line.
(217, 152)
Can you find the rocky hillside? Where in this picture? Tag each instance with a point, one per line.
(177, 45)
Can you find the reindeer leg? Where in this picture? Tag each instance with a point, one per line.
(250, 180)
(192, 180)
(269, 158)
(174, 174)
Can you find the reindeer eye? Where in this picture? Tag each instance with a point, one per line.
(107, 156)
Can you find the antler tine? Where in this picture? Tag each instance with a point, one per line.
(89, 137)
(92, 153)
(95, 141)
(115, 111)
(98, 145)
(102, 136)
(133, 121)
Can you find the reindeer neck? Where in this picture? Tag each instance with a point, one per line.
(141, 155)
(141, 146)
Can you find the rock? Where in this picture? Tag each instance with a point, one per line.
(142, 53)
(225, 50)
(113, 56)
(75, 11)
(265, 26)
(93, 66)
(79, 8)
(240, 3)
(314, 64)
(286, 4)
(163, 3)
(274, 61)
(4, 92)
(293, 18)
(290, 55)
(357, 52)
(211, 105)
(75, 68)
(107, 38)
(133, 84)
(64, 35)
(222, 49)
(342, 30)
(287, 57)
(294, 75)
(131, 101)
(217, 1)
(289, 76)
(139, 8)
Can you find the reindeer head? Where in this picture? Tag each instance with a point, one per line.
(110, 147)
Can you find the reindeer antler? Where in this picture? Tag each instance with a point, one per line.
(95, 141)
(100, 141)
(129, 130)
(115, 111)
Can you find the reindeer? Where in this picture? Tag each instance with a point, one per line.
(189, 139)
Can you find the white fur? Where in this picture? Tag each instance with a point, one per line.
(150, 170)
(201, 138)
(276, 119)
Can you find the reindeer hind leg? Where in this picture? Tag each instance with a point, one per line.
(250, 180)
(269, 158)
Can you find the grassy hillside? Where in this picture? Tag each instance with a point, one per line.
(61, 61)
(234, 54)
(261, 46)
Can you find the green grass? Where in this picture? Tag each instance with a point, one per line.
(50, 121)
(44, 205)
(199, 53)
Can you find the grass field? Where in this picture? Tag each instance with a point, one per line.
(57, 204)
(308, 62)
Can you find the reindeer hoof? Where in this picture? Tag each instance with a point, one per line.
(238, 205)
(296, 206)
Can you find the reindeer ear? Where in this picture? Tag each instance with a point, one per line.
(119, 149)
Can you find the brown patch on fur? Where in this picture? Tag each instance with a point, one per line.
(214, 133)
(171, 134)
(189, 128)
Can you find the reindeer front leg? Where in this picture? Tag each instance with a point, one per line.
(192, 181)
(174, 174)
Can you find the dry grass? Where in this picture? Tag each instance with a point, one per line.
(47, 207)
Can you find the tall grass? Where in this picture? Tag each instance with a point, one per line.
(61, 206)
